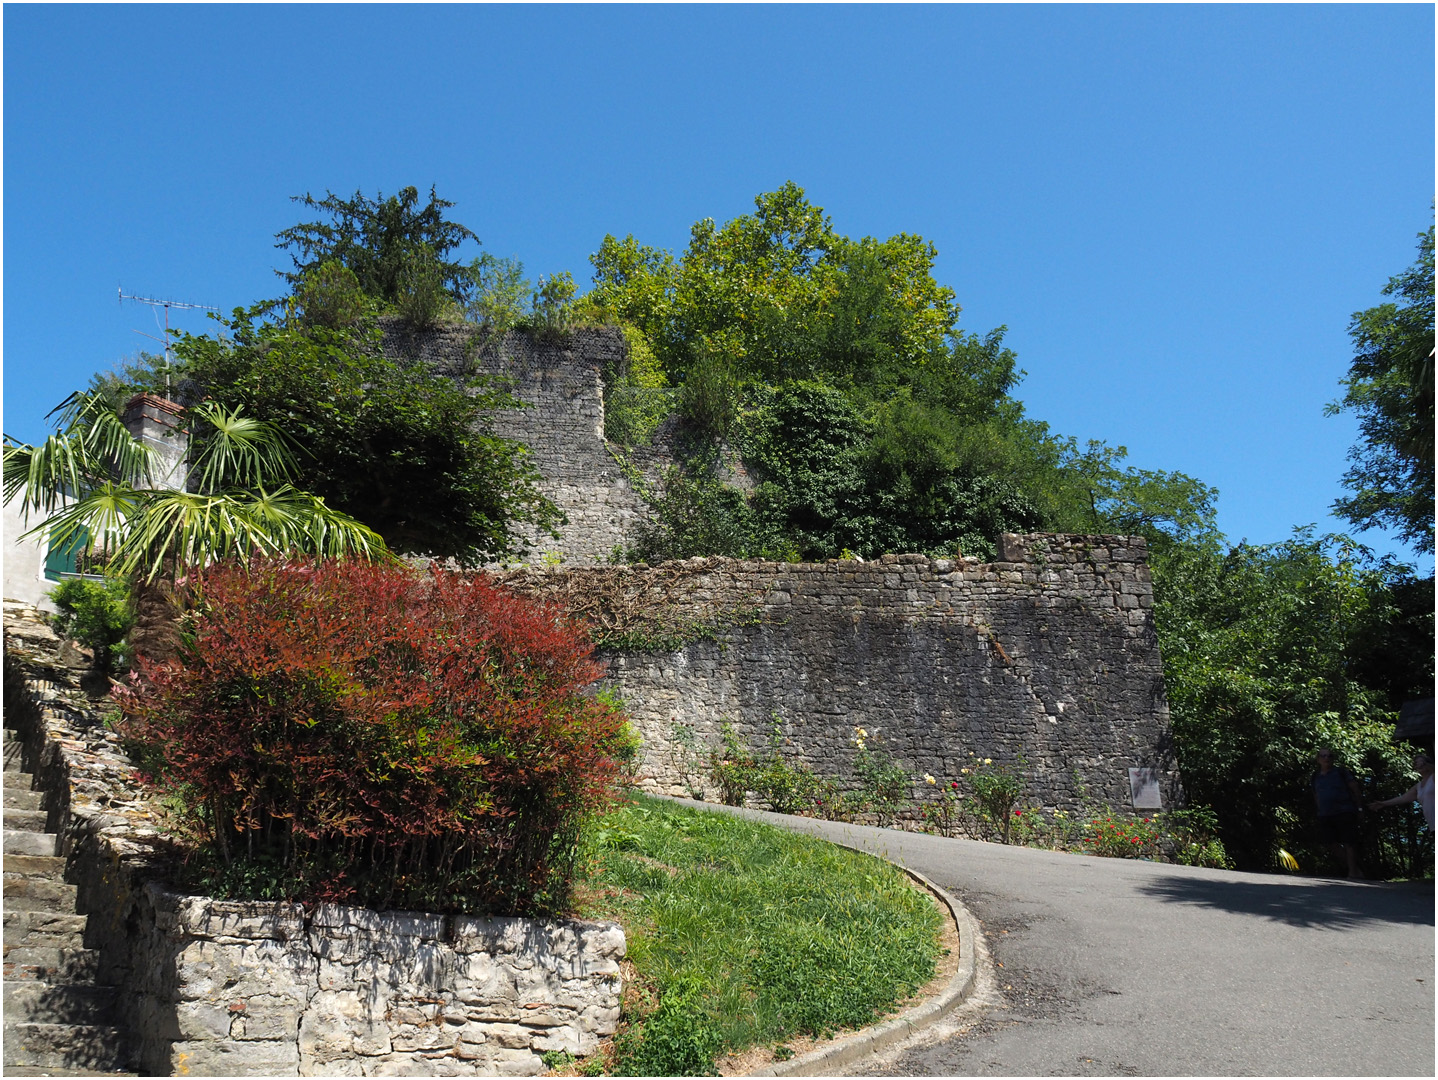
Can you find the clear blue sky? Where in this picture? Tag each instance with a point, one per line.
(1175, 210)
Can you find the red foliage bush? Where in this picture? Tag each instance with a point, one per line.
(365, 733)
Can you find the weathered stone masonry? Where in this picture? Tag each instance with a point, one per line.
(561, 382)
(1049, 654)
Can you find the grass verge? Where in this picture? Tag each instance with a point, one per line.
(741, 934)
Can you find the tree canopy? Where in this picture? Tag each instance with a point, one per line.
(399, 251)
(837, 370)
(1390, 388)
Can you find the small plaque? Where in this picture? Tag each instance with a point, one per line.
(1143, 784)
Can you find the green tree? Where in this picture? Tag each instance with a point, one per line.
(411, 454)
(780, 295)
(94, 485)
(1267, 656)
(870, 422)
(399, 251)
(1390, 388)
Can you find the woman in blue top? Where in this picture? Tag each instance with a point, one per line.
(1335, 791)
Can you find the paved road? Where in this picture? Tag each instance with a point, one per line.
(1111, 967)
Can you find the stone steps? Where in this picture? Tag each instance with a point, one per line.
(43, 867)
(58, 929)
(21, 797)
(61, 1046)
(66, 1003)
(58, 1021)
(24, 842)
(28, 962)
(31, 894)
(20, 820)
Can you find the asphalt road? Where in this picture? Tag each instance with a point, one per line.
(1112, 967)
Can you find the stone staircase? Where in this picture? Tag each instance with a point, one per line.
(58, 1019)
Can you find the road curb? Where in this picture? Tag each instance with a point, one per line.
(823, 1061)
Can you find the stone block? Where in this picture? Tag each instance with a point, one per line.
(203, 917)
(516, 1063)
(340, 921)
(512, 1036)
(564, 1037)
(224, 1058)
(425, 1038)
(207, 970)
(197, 1020)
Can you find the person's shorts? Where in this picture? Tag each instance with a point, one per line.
(1338, 828)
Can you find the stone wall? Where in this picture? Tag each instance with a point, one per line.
(246, 988)
(227, 988)
(1048, 655)
(561, 382)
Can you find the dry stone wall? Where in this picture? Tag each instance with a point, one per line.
(561, 382)
(1048, 656)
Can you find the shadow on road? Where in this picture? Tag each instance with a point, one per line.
(1332, 904)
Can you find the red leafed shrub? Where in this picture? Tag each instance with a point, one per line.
(368, 734)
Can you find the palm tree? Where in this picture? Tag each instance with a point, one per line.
(95, 486)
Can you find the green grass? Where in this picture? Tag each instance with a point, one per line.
(743, 934)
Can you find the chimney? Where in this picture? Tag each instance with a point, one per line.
(155, 422)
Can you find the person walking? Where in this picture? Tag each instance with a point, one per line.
(1421, 792)
(1335, 791)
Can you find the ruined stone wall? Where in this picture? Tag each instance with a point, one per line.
(561, 381)
(1048, 655)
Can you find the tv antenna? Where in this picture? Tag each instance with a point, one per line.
(167, 305)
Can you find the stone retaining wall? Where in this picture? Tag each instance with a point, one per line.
(248, 988)
(227, 988)
(1048, 657)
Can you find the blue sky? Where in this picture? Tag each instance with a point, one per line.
(1175, 209)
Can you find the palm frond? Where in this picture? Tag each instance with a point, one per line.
(188, 530)
(314, 528)
(99, 520)
(234, 450)
(92, 448)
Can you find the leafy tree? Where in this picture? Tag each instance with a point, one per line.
(870, 421)
(1390, 388)
(399, 252)
(329, 295)
(500, 290)
(1267, 656)
(780, 295)
(409, 453)
(94, 484)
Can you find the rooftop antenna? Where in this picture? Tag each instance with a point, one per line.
(167, 305)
